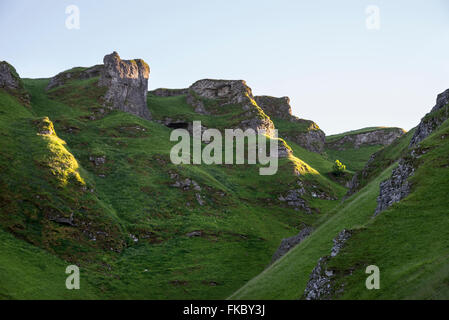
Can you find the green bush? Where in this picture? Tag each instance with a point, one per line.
(339, 168)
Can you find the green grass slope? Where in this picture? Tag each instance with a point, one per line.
(407, 242)
(130, 224)
(288, 277)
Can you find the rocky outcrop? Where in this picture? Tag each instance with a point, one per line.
(230, 92)
(11, 82)
(307, 134)
(275, 107)
(313, 139)
(127, 83)
(320, 286)
(396, 188)
(9, 79)
(381, 136)
(162, 92)
(227, 91)
(78, 73)
(289, 243)
(438, 114)
(294, 198)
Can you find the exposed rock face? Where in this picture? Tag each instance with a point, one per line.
(284, 150)
(320, 285)
(162, 92)
(289, 243)
(228, 92)
(312, 138)
(438, 114)
(275, 107)
(11, 82)
(127, 82)
(396, 188)
(74, 74)
(294, 199)
(9, 79)
(376, 137)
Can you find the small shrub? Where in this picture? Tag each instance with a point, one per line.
(339, 168)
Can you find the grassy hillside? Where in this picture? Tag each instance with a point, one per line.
(407, 242)
(95, 187)
(288, 277)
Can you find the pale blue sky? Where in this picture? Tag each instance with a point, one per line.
(319, 53)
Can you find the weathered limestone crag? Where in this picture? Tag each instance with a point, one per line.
(9, 79)
(127, 82)
(398, 187)
(320, 286)
(438, 114)
(230, 92)
(11, 82)
(308, 135)
(289, 243)
(382, 136)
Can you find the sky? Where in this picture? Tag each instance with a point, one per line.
(343, 65)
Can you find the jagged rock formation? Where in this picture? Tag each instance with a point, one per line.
(438, 114)
(275, 107)
(230, 92)
(294, 199)
(9, 79)
(163, 92)
(320, 285)
(11, 82)
(127, 82)
(78, 73)
(382, 136)
(398, 187)
(312, 138)
(289, 243)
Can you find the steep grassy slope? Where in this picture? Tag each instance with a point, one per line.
(95, 187)
(288, 277)
(28, 272)
(408, 242)
(380, 160)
